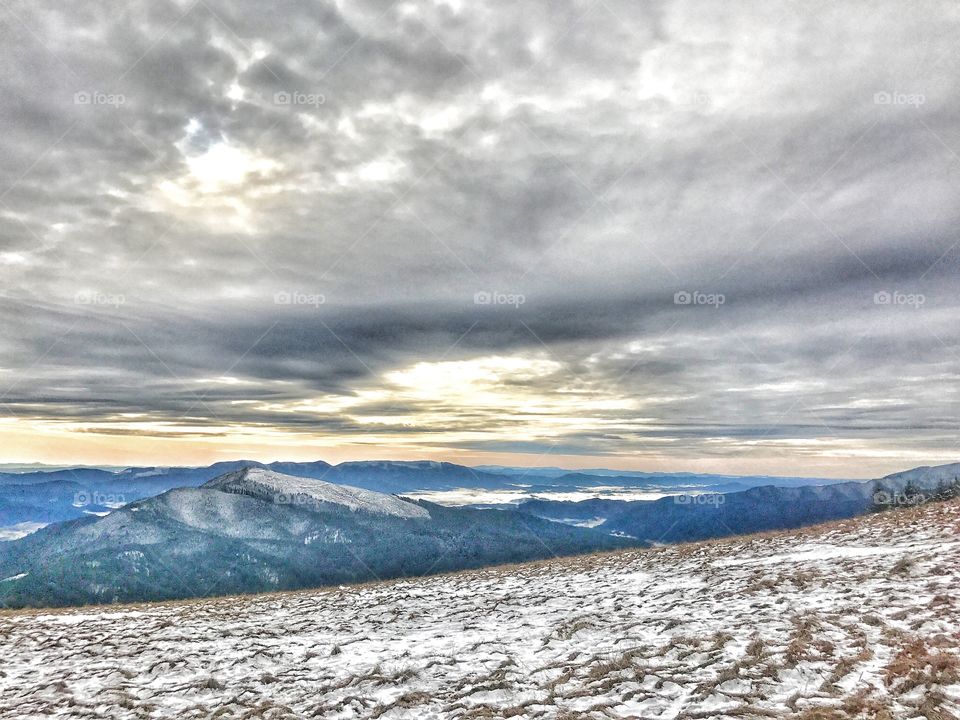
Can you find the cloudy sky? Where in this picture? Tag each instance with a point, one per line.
(652, 235)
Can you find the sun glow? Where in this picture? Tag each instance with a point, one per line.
(221, 183)
(224, 166)
(216, 191)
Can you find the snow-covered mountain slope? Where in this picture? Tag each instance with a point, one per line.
(925, 476)
(287, 489)
(256, 531)
(855, 619)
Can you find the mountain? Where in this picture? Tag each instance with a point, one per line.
(683, 518)
(853, 620)
(52, 496)
(637, 478)
(382, 476)
(278, 488)
(253, 530)
(70, 493)
(79, 475)
(51, 501)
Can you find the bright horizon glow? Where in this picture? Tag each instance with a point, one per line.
(448, 401)
(52, 446)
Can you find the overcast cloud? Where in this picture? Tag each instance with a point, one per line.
(662, 234)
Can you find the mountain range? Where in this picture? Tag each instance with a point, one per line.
(253, 530)
(683, 518)
(38, 497)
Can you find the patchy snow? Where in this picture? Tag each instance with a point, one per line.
(808, 553)
(287, 489)
(857, 619)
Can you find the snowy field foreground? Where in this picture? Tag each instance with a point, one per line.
(853, 619)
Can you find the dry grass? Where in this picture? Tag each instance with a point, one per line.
(801, 639)
(918, 664)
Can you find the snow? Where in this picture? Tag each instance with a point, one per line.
(760, 626)
(809, 553)
(281, 488)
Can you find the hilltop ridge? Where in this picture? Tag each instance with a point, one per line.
(277, 487)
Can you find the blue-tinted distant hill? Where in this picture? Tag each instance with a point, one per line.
(255, 530)
(682, 518)
(636, 477)
(43, 496)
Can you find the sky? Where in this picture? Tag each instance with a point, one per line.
(664, 235)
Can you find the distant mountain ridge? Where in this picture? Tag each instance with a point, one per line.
(32, 497)
(72, 493)
(553, 472)
(255, 530)
(699, 517)
(279, 488)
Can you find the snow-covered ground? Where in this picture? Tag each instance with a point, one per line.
(854, 619)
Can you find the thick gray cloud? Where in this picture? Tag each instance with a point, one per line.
(220, 217)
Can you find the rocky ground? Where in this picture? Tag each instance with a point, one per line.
(857, 619)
